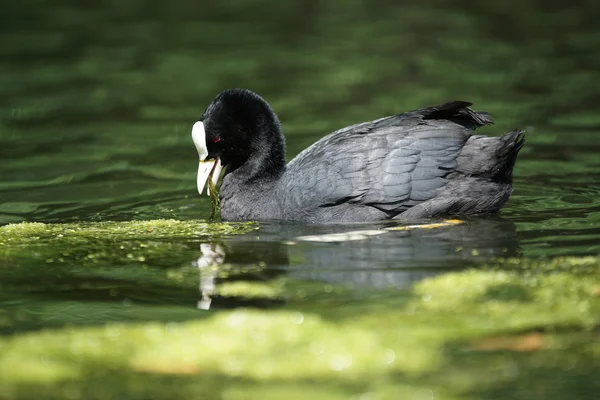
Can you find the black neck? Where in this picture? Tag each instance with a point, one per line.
(266, 156)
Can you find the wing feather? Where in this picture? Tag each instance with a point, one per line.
(390, 164)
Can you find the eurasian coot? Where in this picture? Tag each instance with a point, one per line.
(420, 164)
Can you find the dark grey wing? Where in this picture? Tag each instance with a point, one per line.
(389, 164)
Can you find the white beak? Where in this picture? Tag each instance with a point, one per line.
(207, 168)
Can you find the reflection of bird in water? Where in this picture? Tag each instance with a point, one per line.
(399, 259)
(212, 255)
(249, 261)
(391, 259)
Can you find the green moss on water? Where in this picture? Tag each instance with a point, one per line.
(246, 289)
(117, 243)
(46, 268)
(386, 347)
(586, 265)
(73, 233)
(509, 301)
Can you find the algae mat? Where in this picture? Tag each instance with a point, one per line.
(513, 328)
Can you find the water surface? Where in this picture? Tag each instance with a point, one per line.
(96, 106)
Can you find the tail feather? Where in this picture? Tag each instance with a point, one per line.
(459, 112)
(513, 143)
(492, 158)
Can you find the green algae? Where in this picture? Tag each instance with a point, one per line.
(248, 289)
(73, 233)
(215, 200)
(585, 265)
(117, 243)
(46, 268)
(507, 301)
(384, 347)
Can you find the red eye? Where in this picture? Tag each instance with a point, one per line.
(216, 139)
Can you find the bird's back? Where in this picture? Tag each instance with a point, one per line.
(385, 168)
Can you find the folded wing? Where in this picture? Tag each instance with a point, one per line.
(389, 164)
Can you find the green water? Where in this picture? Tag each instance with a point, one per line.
(96, 107)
